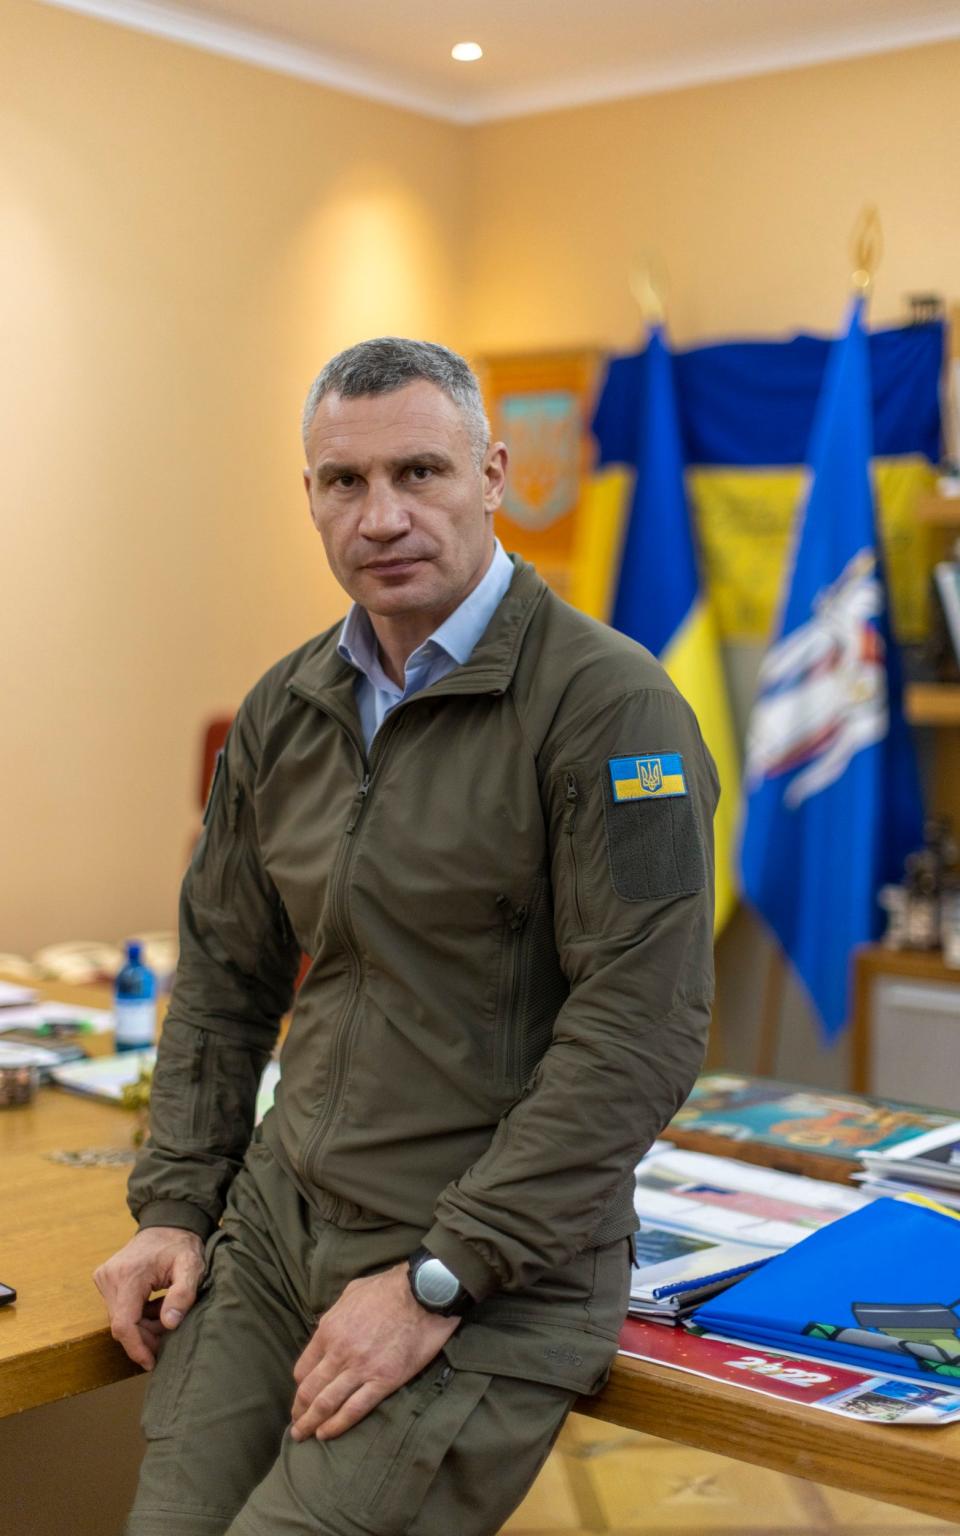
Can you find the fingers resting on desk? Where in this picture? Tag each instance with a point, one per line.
(156, 1259)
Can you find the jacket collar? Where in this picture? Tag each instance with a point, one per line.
(490, 668)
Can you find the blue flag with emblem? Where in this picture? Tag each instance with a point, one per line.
(832, 795)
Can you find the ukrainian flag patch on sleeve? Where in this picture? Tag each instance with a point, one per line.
(647, 778)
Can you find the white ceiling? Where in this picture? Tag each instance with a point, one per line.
(538, 54)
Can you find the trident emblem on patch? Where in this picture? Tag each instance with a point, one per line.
(651, 774)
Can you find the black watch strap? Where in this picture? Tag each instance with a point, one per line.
(435, 1287)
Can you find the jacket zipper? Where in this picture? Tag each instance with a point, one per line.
(569, 826)
(510, 1035)
(346, 1026)
(394, 1463)
(198, 1081)
(358, 801)
(342, 1047)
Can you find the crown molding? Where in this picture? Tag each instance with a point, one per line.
(250, 46)
(852, 43)
(265, 51)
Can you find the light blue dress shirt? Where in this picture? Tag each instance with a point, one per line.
(449, 646)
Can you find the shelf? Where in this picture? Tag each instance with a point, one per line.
(941, 511)
(932, 703)
(913, 964)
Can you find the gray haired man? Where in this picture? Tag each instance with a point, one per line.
(381, 1303)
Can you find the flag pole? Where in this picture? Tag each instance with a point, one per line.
(866, 248)
(647, 286)
(772, 1012)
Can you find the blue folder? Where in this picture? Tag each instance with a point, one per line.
(878, 1288)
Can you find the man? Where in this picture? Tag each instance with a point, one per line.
(487, 820)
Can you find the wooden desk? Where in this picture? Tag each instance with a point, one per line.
(57, 1223)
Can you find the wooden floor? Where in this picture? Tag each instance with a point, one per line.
(604, 1479)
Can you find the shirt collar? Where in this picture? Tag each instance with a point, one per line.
(456, 636)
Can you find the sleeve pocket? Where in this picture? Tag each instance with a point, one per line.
(654, 847)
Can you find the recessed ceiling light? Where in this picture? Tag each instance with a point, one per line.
(466, 53)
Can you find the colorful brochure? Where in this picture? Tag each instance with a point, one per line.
(787, 1116)
(731, 1201)
(795, 1378)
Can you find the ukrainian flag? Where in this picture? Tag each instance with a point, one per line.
(648, 778)
(659, 599)
(744, 413)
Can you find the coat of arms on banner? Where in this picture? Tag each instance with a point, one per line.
(542, 433)
(539, 406)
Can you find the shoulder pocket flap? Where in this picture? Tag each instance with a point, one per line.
(654, 847)
(563, 1357)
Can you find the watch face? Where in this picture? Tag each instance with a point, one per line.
(435, 1284)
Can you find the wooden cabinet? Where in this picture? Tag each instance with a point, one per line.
(906, 1026)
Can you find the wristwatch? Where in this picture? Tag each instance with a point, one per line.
(436, 1287)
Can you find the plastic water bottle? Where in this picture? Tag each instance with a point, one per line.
(135, 1003)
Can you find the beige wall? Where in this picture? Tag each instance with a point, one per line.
(183, 240)
(186, 238)
(746, 191)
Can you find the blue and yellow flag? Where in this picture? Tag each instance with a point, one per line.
(746, 410)
(659, 598)
(745, 413)
(832, 793)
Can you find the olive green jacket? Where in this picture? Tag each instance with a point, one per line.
(511, 969)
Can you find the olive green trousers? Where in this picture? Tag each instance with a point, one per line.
(450, 1454)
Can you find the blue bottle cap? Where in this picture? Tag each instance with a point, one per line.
(134, 952)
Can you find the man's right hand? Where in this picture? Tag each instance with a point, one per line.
(156, 1259)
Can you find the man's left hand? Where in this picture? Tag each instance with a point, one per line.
(374, 1339)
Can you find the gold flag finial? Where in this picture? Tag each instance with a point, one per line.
(866, 248)
(647, 286)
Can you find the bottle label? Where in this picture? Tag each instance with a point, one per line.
(135, 1024)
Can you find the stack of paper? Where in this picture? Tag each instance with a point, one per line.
(20, 1055)
(675, 1271)
(14, 995)
(737, 1202)
(706, 1221)
(878, 1289)
(927, 1161)
(57, 1020)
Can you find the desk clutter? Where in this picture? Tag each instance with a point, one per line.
(843, 1298)
(36, 1037)
(812, 1289)
(706, 1222)
(795, 1128)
